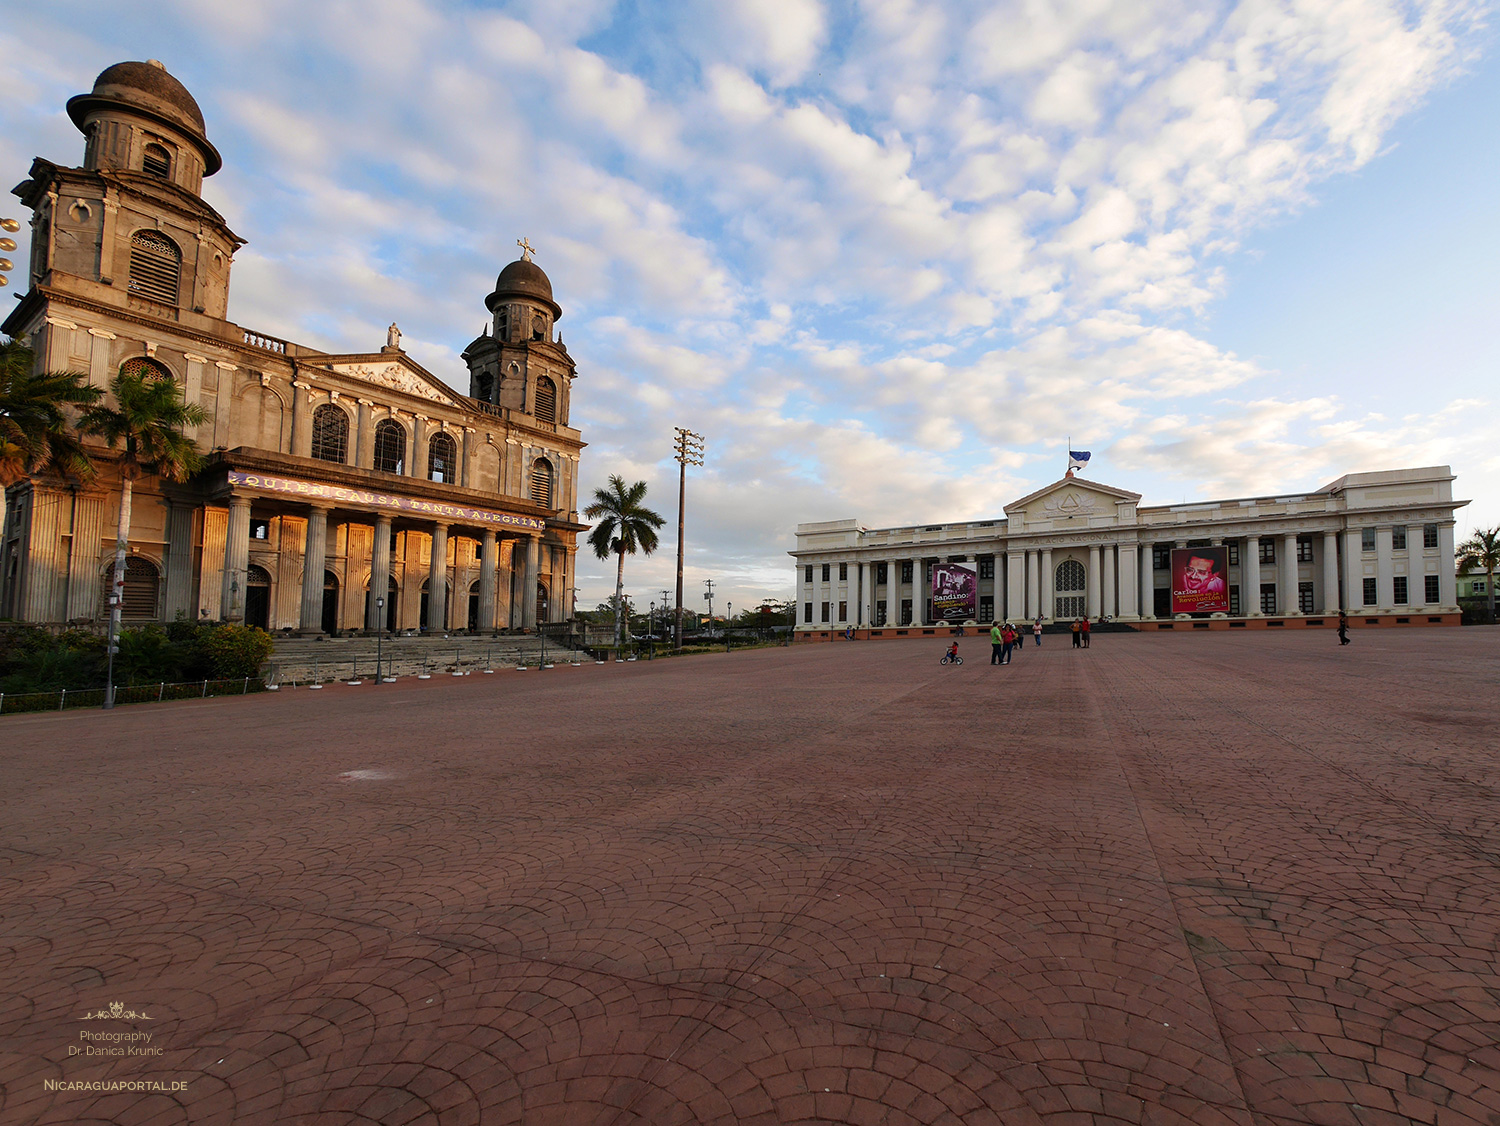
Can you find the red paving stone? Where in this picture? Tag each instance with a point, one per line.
(1187, 879)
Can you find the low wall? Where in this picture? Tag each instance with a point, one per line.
(1149, 625)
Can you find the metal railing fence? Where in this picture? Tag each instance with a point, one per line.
(64, 699)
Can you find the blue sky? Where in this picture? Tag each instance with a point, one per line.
(886, 256)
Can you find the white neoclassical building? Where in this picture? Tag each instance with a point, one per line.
(1379, 545)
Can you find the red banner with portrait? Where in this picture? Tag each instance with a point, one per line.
(1200, 580)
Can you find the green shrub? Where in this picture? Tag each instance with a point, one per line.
(233, 650)
(147, 655)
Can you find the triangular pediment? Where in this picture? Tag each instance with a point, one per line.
(1072, 497)
(395, 372)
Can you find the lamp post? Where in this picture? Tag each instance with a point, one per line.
(709, 598)
(379, 630)
(728, 617)
(689, 452)
(650, 632)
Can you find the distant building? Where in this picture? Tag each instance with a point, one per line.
(332, 480)
(1378, 544)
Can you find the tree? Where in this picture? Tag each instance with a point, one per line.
(625, 525)
(34, 429)
(1481, 552)
(147, 421)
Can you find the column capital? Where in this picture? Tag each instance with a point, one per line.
(301, 386)
(382, 519)
(365, 402)
(238, 500)
(325, 509)
(194, 358)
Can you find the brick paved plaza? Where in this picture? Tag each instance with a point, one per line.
(1176, 878)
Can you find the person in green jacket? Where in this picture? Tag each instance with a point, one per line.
(995, 643)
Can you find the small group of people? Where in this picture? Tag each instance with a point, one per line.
(1080, 633)
(1007, 640)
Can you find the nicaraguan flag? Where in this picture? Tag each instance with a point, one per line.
(1078, 459)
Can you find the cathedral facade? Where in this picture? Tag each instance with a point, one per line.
(331, 482)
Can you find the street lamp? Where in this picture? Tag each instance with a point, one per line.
(379, 630)
(689, 452)
(650, 632)
(728, 617)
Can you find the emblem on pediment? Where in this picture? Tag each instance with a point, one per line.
(397, 378)
(1069, 503)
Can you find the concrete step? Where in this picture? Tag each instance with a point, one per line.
(302, 660)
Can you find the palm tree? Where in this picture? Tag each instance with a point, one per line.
(34, 429)
(1481, 552)
(625, 524)
(147, 420)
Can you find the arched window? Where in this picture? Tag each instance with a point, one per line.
(542, 610)
(155, 266)
(541, 482)
(546, 400)
(257, 597)
(144, 368)
(330, 434)
(390, 446)
(442, 458)
(1071, 582)
(157, 161)
(142, 582)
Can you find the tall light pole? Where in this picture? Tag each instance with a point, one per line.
(709, 598)
(689, 452)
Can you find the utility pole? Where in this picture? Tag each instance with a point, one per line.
(710, 598)
(689, 452)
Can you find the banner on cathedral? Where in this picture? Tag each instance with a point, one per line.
(955, 592)
(312, 491)
(1200, 580)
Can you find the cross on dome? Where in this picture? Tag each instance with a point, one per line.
(527, 250)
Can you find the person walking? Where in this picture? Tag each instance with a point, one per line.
(1007, 643)
(1036, 630)
(1085, 633)
(1343, 627)
(995, 643)
(1077, 634)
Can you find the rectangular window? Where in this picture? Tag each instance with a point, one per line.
(905, 612)
(843, 572)
(1161, 557)
(825, 577)
(1234, 600)
(1398, 590)
(1305, 597)
(1369, 586)
(1479, 587)
(825, 613)
(880, 612)
(906, 571)
(807, 612)
(1234, 554)
(1429, 535)
(1268, 598)
(1304, 549)
(260, 529)
(880, 571)
(1398, 537)
(1268, 551)
(843, 611)
(807, 573)
(986, 608)
(986, 566)
(1430, 590)
(1367, 539)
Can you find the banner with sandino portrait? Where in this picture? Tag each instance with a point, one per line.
(955, 592)
(1200, 580)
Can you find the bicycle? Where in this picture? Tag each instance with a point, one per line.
(951, 660)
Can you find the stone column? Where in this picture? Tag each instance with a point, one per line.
(1015, 585)
(488, 549)
(466, 465)
(1108, 608)
(236, 560)
(380, 573)
(1048, 577)
(417, 466)
(1148, 581)
(301, 419)
(192, 392)
(1447, 569)
(1033, 586)
(364, 435)
(504, 582)
(1384, 594)
(1092, 583)
(437, 579)
(84, 558)
(1250, 577)
(527, 593)
(1130, 583)
(1330, 599)
(866, 594)
(1288, 602)
(1354, 572)
(314, 555)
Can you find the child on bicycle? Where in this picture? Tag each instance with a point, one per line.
(953, 651)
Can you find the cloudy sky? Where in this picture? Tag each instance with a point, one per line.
(886, 256)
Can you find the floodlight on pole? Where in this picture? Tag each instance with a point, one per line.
(689, 448)
(6, 246)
